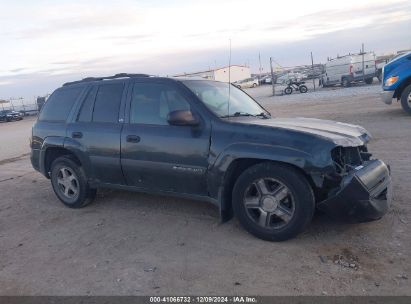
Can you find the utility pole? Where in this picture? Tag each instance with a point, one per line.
(312, 67)
(362, 52)
(229, 83)
(259, 59)
(272, 75)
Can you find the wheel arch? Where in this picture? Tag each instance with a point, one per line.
(54, 147)
(405, 83)
(52, 153)
(238, 166)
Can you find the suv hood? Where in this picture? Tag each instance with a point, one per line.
(341, 134)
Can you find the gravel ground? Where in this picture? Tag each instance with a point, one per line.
(136, 244)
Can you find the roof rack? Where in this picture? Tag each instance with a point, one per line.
(120, 75)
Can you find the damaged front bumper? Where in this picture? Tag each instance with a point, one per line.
(364, 194)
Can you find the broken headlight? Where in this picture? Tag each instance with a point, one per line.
(347, 158)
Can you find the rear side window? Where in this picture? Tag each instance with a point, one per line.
(86, 111)
(107, 105)
(59, 105)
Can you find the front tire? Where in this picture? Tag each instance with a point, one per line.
(369, 80)
(406, 99)
(288, 90)
(70, 183)
(274, 202)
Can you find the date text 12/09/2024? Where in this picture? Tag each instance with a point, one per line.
(203, 299)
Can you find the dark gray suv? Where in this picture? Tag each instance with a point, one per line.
(210, 141)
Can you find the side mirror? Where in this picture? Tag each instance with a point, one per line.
(182, 118)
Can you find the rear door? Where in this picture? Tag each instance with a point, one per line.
(159, 156)
(95, 131)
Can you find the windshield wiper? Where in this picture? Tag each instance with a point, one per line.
(264, 115)
(237, 114)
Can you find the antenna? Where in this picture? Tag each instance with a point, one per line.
(229, 83)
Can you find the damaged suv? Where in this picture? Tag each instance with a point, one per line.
(209, 141)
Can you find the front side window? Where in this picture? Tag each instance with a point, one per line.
(107, 105)
(215, 95)
(152, 102)
(59, 105)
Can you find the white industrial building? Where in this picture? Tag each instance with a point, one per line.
(238, 72)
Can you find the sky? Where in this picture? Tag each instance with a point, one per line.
(46, 43)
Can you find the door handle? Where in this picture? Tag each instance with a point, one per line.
(133, 138)
(77, 135)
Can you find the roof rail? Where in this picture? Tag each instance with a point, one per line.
(120, 75)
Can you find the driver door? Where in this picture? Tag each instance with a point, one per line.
(156, 155)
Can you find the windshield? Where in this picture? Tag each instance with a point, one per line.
(215, 96)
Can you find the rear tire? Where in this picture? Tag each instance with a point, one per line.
(406, 99)
(274, 202)
(345, 83)
(254, 85)
(369, 80)
(70, 183)
(303, 89)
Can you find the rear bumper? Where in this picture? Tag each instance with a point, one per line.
(364, 194)
(386, 96)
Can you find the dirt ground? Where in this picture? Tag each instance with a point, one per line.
(15, 138)
(136, 244)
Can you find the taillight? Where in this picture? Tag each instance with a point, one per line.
(350, 68)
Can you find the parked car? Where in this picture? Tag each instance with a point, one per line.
(268, 80)
(397, 81)
(199, 139)
(247, 83)
(10, 115)
(348, 69)
(262, 80)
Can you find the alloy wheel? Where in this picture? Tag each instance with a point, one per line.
(269, 203)
(68, 183)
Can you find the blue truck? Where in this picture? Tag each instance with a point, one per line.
(396, 81)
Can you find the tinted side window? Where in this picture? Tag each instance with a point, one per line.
(107, 103)
(58, 106)
(151, 103)
(86, 111)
